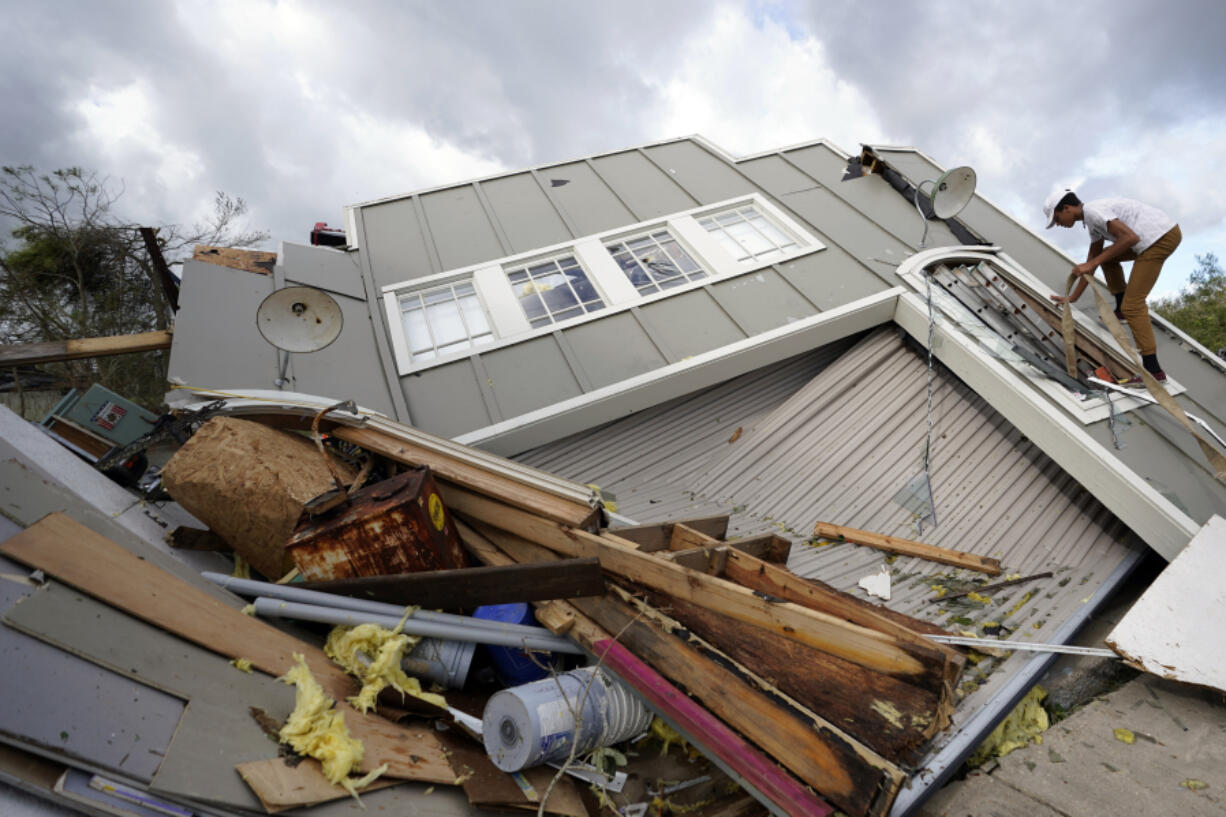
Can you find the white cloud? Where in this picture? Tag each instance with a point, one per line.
(751, 87)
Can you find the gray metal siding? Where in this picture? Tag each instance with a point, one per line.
(838, 225)
(527, 217)
(329, 269)
(613, 349)
(645, 189)
(460, 227)
(395, 244)
(447, 400)
(776, 174)
(529, 376)
(349, 368)
(706, 177)
(589, 202)
(216, 343)
(761, 301)
(831, 278)
(690, 324)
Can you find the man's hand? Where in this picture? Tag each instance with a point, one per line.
(1060, 299)
(1084, 269)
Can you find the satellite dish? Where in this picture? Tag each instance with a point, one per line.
(299, 319)
(951, 192)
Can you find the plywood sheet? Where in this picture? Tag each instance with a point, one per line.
(1167, 632)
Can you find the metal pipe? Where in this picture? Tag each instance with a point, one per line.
(547, 642)
(285, 592)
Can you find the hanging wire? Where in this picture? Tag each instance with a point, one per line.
(932, 323)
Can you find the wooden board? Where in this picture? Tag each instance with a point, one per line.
(485, 785)
(474, 586)
(30, 354)
(468, 475)
(907, 547)
(93, 564)
(684, 538)
(780, 582)
(854, 777)
(655, 537)
(260, 261)
(861, 645)
(281, 786)
(890, 716)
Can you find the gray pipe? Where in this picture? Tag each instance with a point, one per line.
(285, 592)
(546, 641)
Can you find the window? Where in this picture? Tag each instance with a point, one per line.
(443, 320)
(746, 234)
(655, 262)
(554, 290)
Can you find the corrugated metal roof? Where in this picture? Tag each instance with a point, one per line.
(833, 435)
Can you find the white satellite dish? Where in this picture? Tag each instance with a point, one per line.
(299, 319)
(951, 192)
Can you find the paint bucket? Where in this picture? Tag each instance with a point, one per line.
(533, 724)
(512, 665)
(449, 660)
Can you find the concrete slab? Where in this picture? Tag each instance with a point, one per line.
(1082, 768)
(982, 795)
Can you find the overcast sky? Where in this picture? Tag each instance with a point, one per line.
(303, 107)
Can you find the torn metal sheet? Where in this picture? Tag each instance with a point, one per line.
(1168, 631)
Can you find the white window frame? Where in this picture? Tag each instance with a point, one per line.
(506, 316)
(948, 310)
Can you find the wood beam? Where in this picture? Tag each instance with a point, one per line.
(860, 645)
(907, 547)
(52, 351)
(259, 261)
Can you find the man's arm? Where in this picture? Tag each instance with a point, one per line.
(1096, 248)
(1124, 240)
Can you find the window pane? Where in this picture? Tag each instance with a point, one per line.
(727, 218)
(734, 249)
(416, 331)
(531, 302)
(633, 271)
(583, 287)
(445, 323)
(539, 322)
(458, 346)
(558, 295)
(474, 315)
(464, 289)
(679, 256)
(773, 233)
(435, 296)
(541, 270)
(749, 238)
(639, 244)
(517, 277)
(566, 314)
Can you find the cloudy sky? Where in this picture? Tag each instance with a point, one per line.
(303, 106)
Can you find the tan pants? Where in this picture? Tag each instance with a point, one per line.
(1145, 270)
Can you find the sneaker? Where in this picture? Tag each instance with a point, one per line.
(1119, 315)
(1136, 382)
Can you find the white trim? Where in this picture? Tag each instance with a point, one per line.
(700, 371)
(1088, 410)
(1125, 493)
(351, 228)
(506, 315)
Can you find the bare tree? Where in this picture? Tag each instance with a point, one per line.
(79, 269)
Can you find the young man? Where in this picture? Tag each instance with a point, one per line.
(1139, 233)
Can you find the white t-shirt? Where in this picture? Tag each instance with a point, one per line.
(1149, 223)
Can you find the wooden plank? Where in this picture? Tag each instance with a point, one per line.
(684, 538)
(893, 718)
(487, 786)
(906, 547)
(655, 537)
(768, 782)
(779, 582)
(281, 784)
(768, 547)
(475, 586)
(259, 261)
(470, 476)
(93, 564)
(28, 354)
(709, 560)
(860, 645)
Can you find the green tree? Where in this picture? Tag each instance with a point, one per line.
(79, 269)
(1201, 309)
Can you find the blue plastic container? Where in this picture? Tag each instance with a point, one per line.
(513, 666)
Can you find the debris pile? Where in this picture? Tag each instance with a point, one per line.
(500, 634)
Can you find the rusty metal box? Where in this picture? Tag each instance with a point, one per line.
(398, 525)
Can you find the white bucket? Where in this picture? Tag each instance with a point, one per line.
(535, 723)
(449, 660)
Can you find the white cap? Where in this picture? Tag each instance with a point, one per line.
(1049, 206)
